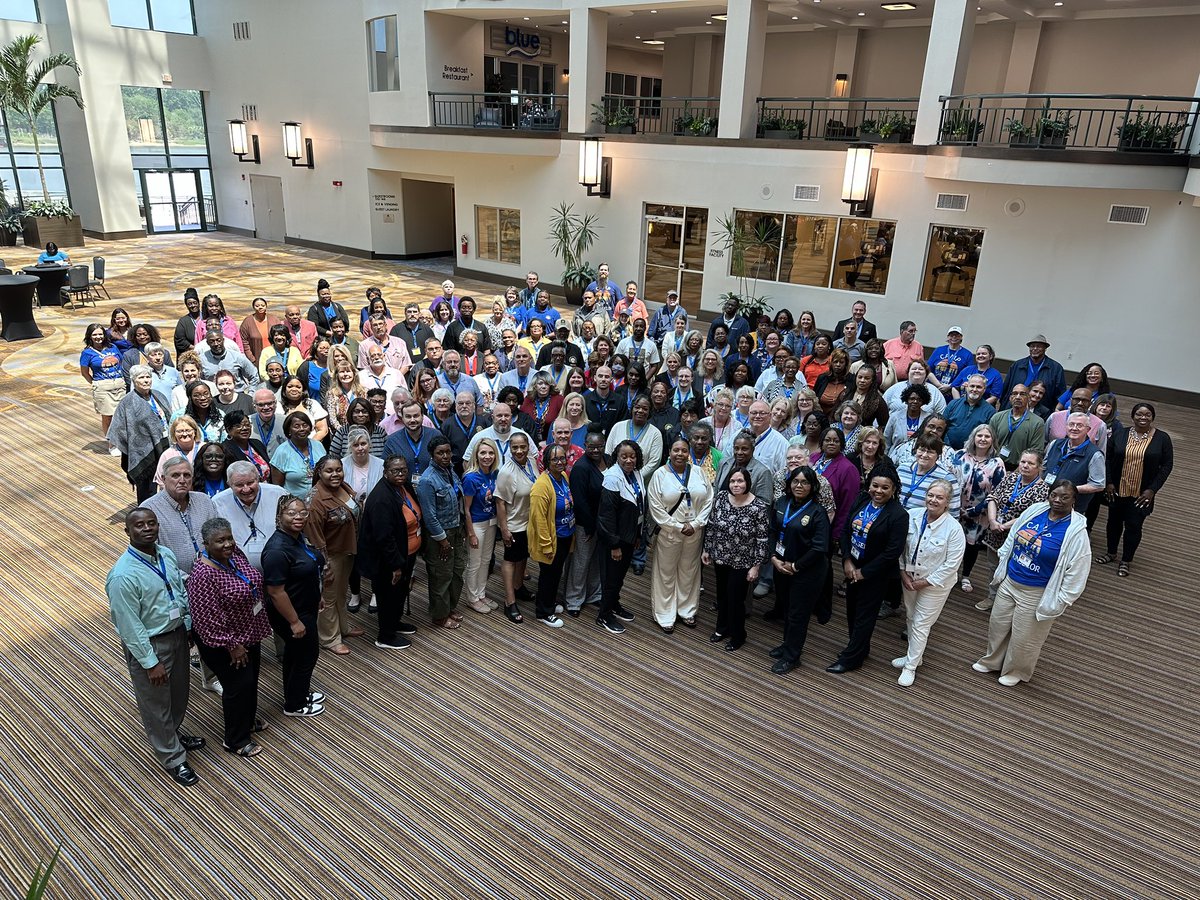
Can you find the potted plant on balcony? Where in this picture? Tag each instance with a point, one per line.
(1149, 133)
(572, 236)
(780, 128)
(690, 124)
(894, 128)
(1053, 131)
(618, 120)
(1020, 134)
(960, 127)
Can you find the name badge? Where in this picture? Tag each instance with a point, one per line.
(1004, 453)
(1049, 477)
(416, 479)
(779, 549)
(174, 613)
(854, 554)
(257, 608)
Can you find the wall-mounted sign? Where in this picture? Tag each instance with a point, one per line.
(385, 203)
(455, 73)
(515, 42)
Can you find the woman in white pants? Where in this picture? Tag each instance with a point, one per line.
(479, 515)
(928, 570)
(680, 499)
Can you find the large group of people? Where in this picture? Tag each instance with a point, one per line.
(290, 472)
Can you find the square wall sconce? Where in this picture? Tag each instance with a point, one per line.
(595, 169)
(858, 182)
(296, 147)
(841, 85)
(242, 144)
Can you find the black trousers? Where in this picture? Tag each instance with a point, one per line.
(549, 576)
(239, 702)
(1124, 516)
(863, 600)
(970, 556)
(612, 576)
(731, 602)
(392, 599)
(804, 592)
(298, 662)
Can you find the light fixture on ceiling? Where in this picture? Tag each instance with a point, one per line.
(654, 43)
(840, 84)
(794, 18)
(146, 129)
(862, 14)
(296, 147)
(242, 144)
(721, 17)
(897, 7)
(858, 183)
(595, 169)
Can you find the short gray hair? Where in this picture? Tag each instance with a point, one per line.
(441, 394)
(944, 485)
(153, 347)
(355, 433)
(139, 370)
(214, 526)
(241, 467)
(175, 462)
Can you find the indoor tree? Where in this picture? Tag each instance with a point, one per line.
(25, 91)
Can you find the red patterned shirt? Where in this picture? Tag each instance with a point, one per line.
(228, 606)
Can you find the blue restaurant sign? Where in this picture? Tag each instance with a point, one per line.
(515, 42)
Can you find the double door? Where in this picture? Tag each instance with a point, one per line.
(172, 200)
(674, 251)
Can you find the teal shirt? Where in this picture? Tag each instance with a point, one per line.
(140, 604)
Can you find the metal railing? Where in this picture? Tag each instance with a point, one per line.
(520, 111)
(687, 116)
(875, 119)
(1129, 122)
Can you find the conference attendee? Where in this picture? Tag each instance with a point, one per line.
(280, 349)
(736, 545)
(917, 374)
(375, 305)
(1093, 377)
(979, 471)
(447, 298)
(362, 470)
(412, 442)
(1017, 428)
(218, 356)
(968, 411)
(831, 384)
(744, 455)
(293, 572)
(182, 509)
(1104, 407)
(770, 447)
(679, 500)
(325, 310)
(229, 623)
(1044, 566)
(332, 528)
(735, 324)
(150, 611)
(871, 545)
(490, 380)
(904, 349)
(663, 415)
(854, 347)
(227, 398)
(412, 333)
(1037, 366)
(500, 430)
(544, 313)
(638, 428)
(445, 548)
(933, 551)
(1015, 493)
(395, 350)
(214, 309)
(844, 480)
(185, 329)
(1080, 402)
(481, 471)
(255, 329)
(948, 360)
(1140, 460)
(601, 402)
(208, 468)
(543, 404)
(139, 430)
(926, 466)
(249, 504)
(858, 314)
(1078, 459)
(202, 409)
(984, 357)
(294, 461)
(551, 531)
(100, 367)
(514, 484)
(452, 378)
(466, 321)
(586, 479)
(166, 376)
(301, 331)
(873, 358)
(182, 443)
(639, 349)
(606, 292)
(631, 304)
(620, 528)
(265, 424)
(338, 337)
(141, 336)
(867, 396)
(389, 539)
(360, 414)
(664, 320)
(800, 558)
(498, 322)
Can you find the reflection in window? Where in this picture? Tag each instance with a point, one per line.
(498, 234)
(19, 10)
(864, 255)
(383, 55)
(155, 15)
(807, 250)
(18, 158)
(758, 253)
(950, 264)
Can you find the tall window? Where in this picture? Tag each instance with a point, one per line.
(498, 234)
(19, 10)
(383, 56)
(154, 15)
(951, 261)
(18, 158)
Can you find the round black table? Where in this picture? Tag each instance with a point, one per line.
(50, 282)
(16, 307)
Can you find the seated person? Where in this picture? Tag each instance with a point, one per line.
(53, 256)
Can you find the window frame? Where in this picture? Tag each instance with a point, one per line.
(497, 211)
(8, 151)
(392, 37)
(37, 13)
(150, 19)
(926, 270)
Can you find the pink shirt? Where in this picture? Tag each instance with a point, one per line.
(901, 356)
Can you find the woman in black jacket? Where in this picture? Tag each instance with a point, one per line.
(871, 542)
(1139, 462)
(391, 518)
(801, 561)
(619, 527)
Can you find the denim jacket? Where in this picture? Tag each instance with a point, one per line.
(440, 493)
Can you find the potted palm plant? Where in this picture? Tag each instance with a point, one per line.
(26, 94)
(751, 249)
(572, 236)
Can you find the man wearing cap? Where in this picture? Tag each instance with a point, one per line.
(858, 315)
(663, 322)
(562, 338)
(948, 360)
(904, 349)
(1037, 366)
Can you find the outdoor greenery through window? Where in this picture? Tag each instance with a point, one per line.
(842, 252)
(951, 262)
(166, 131)
(153, 15)
(18, 162)
(498, 234)
(19, 10)
(383, 62)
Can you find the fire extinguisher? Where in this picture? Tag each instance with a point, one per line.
(465, 245)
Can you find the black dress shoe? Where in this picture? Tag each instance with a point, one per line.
(777, 652)
(184, 775)
(191, 741)
(783, 666)
(838, 668)
(716, 638)
(734, 644)
(638, 569)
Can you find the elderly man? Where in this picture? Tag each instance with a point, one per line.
(217, 356)
(904, 349)
(455, 381)
(466, 321)
(149, 607)
(1017, 428)
(663, 321)
(462, 427)
(967, 412)
(501, 431)
(1078, 459)
(378, 374)
(303, 333)
(850, 342)
(250, 507)
(447, 295)
(394, 350)
(412, 333)
(863, 329)
(770, 447)
(1037, 366)
(391, 422)
(432, 360)
(266, 425)
(1081, 402)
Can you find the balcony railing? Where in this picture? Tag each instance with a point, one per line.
(519, 111)
(1128, 122)
(875, 119)
(687, 116)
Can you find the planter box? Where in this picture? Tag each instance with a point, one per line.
(896, 137)
(1136, 146)
(620, 129)
(780, 134)
(8, 238)
(41, 230)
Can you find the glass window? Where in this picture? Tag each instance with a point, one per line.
(758, 256)
(864, 255)
(184, 114)
(19, 10)
(159, 15)
(19, 158)
(129, 13)
(498, 234)
(383, 54)
(950, 264)
(808, 243)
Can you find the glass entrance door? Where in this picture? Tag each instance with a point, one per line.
(674, 251)
(172, 200)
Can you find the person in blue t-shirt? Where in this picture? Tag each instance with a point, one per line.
(100, 366)
(53, 256)
(948, 360)
(479, 511)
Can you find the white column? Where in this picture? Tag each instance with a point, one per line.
(742, 68)
(945, 63)
(588, 54)
(413, 45)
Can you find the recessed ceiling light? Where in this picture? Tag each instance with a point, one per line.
(709, 22)
(637, 37)
(794, 18)
(654, 43)
(526, 18)
(654, 12)
(862, 14)
(1059, 3)
(896, 7)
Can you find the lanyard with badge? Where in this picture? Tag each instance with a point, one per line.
(233, 570)
(861, 527)
(1066, 452)
(161, 571)
(416, 452)
(788, 516)
(912, 562)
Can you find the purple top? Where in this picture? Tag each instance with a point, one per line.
(845, 482)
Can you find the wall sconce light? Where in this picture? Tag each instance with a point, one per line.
(242, 144)
(595, 169)
(841, 83)
(296, 147)
(146, 129)
(858, 184)
(566, 74)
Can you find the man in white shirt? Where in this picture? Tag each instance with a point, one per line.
(394, 349)
(250, 507)
(379, 374)
(501, 431)
(217, 356)
(770, 447)
(518, 376)
(638, 348)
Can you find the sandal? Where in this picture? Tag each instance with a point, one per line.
(667, 629)
(340, 650)
(514, 614)
(456, 616)
(449, 623)
(967, 587)
(260, 724)
(689, 622)
(246, 750)
(1105, 559)
(355, 632)
(1123, 570)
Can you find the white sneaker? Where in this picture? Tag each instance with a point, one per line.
(981, 668)
(984, 605)
(552, 621)
(907, 677)
(761, 590)
(900, 661)
(306, 712)
(113, 451)
(215, 687)
(1009, 680)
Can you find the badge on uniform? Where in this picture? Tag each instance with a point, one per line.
(805, 520)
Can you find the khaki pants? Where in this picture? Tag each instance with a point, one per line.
(475, 575)
(333, 622)
(1015, 636)
(923, 608)
(675, 575)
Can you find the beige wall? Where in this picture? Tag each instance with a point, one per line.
(990, 51)
(890, 62)
(799, 64)
(1152, 55)
(634, 62)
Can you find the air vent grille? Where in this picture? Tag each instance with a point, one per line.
(249, 112)
(241, 31)
(809, 192)
(955, 202)
(1128, 215)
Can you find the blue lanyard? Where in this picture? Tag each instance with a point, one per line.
(412, 509)
(867, 519)
(637, 349)
(491, 380)
(698, 462)
(920, 536)
(631, 477)
(683, 482)
(522, 380)
(1034, 373)
(914, 482)
(1014, 426)
(564, 494)
(540, 407)
(1019, 492)
(266, 435)
(637, 438)
(233, 570)
(680, 399)
(788, 515)
(160, 570)
(466, 432)
(823, 464)
(249, 514)
(416, 449)
(306, 456)
(187, 523)
(1064, 455)
(762, 437)
(528, 471)
(311, 554)
(503, 445)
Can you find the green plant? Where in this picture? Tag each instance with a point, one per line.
(959, 125)
(24, 90)
(701, 125)
(1058, 126)
(572, 236)
(868, 126)
(749, 248)
(896, 123)
(49, 209)
(41, 878)
(1018, 130)
(616, 117)
(1150, 130)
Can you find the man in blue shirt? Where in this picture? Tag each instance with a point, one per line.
(1037, 366)
(454, 381)
(412, 441)
(542, 310)
(149, 607)
(967, 412)
(663, 321)
(736, 324)
(528, 294)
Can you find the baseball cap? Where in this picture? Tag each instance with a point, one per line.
(955, 328)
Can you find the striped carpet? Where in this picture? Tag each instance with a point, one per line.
(519, 761)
